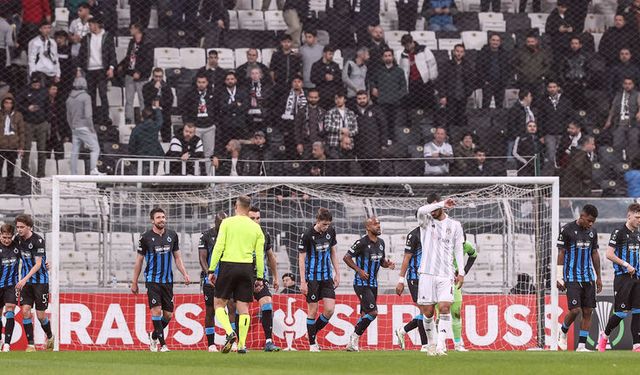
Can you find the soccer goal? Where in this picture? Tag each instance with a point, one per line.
(92, 224)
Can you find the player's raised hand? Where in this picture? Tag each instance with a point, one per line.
(399, 289)
(449, 203)
(134, 288)
(598, 285)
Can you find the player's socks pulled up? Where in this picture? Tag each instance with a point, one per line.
(363, 324)
(583, 336)
(444, 330)
(267, 320)
(429, 329)
(243, 327)
(158, 333)
(236, 323)
(614, 320)
(456, 327)
(223, 318)
(165, 322)
(311, 330)
(8, 328)
(46, 327)
(211, 335)
(28, 330)
(565, 327)
(321, 322)
(635, 326)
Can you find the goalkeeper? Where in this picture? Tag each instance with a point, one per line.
(456, 307)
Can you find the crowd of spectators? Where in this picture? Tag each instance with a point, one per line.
(305, 113)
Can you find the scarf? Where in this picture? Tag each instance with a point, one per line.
(8, 124)
(294, 105)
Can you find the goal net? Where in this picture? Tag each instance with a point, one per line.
(92, 225)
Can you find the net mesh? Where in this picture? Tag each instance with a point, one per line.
(504, 301)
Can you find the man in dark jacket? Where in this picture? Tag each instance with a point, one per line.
(12, 139)
(232, 102)
(624, 115)
(518, 117)
(60, 132)
(389, 86)
(575, 179)
(308, 123)
(327, 76)
(376, 45)
(97, 59)
(214, 73)
(285, 64)
(457, 82)
(560, 30)
(144, 137)
(554, 114)
(480, 166)
(625, 67)
(576, 74)
(243, 72)
(569, 143)
(186, 146)
(201, 109)
(345, 163)
(617, 37)
(256, 157)
(157, 89)
(32, 103)
(493, 70)
(136, 67)
(373, 136)
(532, 64)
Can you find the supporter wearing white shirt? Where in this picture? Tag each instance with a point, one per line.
(438, 154)
(43, 53)
(79, 28)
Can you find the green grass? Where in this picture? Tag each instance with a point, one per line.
(295, 363)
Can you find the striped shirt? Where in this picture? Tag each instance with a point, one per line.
(158, 253)
(30, 250)
(413, 247)
(579, 245)
(10, 260)
(626, 245)
(368, 255)
(317, 249)
(206, 243)
(441, 241)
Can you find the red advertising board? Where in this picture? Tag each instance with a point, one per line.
(121, 322)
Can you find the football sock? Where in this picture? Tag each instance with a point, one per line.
(158, 333)
(614, 320)
(311, 330)
(429, 329)
(243, 327)
(565, 327)
(223, 318)
(267, 320)
(211, 335)
(363, 323)
(165, 322)
(321, 322)
(456, 326)
(583, 336)
(635, 326)
(28, 330)
(444, 330)
(8, 328)
(46, 327)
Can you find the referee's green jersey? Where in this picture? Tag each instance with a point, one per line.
(239, 239)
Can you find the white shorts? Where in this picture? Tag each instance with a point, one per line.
(434, 289)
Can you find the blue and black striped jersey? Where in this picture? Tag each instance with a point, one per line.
(317, 247)
(207, 242)
(626, 245)
(268, 246)
(578, 245)
(10, 259)
(367, 255)
(158, 253)
(31, 249)
(413, 246)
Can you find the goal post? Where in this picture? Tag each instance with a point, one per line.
(527, 206)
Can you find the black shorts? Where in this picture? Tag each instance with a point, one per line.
(35, 295)
(413, 290)
(8, 295)
(627, 293)
(367, 296)
(235, 280)
(265, 292)
(208, 292)
(581, 294)
(160, 295)
(317, 290)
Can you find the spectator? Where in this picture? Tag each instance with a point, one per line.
(354, 75)
(105, 10)
(464, 153)
(285, 65)
(339, 122)
(420, 71)
(389, 86)
(407, 14)
(226, 162)
(267, 3)
(140, 12)
(32, 103)
(525, 284)
(616, 38)
(144, 137)
(60, 131)
(201, 108)
(575, 179)
(83, 133)
(569, 144)
(12, 139)
(310, 52)
(185, 14)
(289, 283)
(232, 104)
(186, 146)
(624, 68)
(34, 13)
(439, 14)
(630, 14)
(554, 113)
(577, 14)
(6, 42)
(297, 119)
(261, 97)
(373, 136)
(157, 89)
(79, 28)
(494, 4)
(493, 69)
(560, 30)
(376, 45)
(295, 12)
(256, 156)
(366, 14)
(532, 65)
(309, 126)
(136, 66)
(438, 154)
(457, 83)
(327, 77)
(43, 54)
(67, 63)
(319, 164)
(480, 166)
(518, 117)
(97, 59)
(527, 149)
(214, 73)
(624, 116)
(217, 17)
(243, 72)
(341, 26)
(576, 74)
(345, 164)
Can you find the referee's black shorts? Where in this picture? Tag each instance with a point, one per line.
(581, 294)
(627, 292)
(235, 280)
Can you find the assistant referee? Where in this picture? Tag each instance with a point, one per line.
(240, 243)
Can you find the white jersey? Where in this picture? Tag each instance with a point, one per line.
(441, 241)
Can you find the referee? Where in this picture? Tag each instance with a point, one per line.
(240, 241)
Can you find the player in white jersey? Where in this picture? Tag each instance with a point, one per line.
(442, 238)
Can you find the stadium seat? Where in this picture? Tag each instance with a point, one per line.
(247, 5)
(388, 20)
(12, 203)
(82, 277)
(448, 44)
(121, 241)
(491, 20)
(50, 168)
(274, 20)
(116, 114)
(64, 167)
(70, 258)
(398, 241)
(251, 20)
(474, 39)
(241, 55)
(166, 57)
(123, 41)
(153, 19)
(115, 96)
(226, 58)
(62, 19)
(426, 38)
(192, 58)
(125, 132)
(121, 52)
(471, 5)
(596, 40)
(393, 38)
(70, 206)
(594, 23)
(233, 20)
(538, 20)
(91, 206)
(337, 58)
(124, 18)
(266, 54)
(318, 5)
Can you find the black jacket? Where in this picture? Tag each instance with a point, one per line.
(613, 40)
(517, 120)
(232, 115)
(144, 59)
(553, 121)
(255, 160)
(215, 76)
(448, 76)
(503, 71)
(473, 169)
(617, 74)
(284, 67)
(29, 96)
(326, 88)
(525, 147)
(372, 133)
(108, 52)
(192, 108)
(559, 41)
(150, 93)
(178, 147)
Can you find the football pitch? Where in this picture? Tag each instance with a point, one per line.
(328, 362)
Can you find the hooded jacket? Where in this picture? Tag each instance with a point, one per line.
(13, 137)
(79, 111)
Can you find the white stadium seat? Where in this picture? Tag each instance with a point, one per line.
(165, 57)
(538, 20)
(392, 38)
(426, 38)
(337, 58)
(233, 20)
(192, 58)
(274, 20)
(266, 55)
(226, 58)
(62, 19)
(445, 44)
(251, 20)
(474, 39)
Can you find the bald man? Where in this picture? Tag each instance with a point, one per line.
(365, 257)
